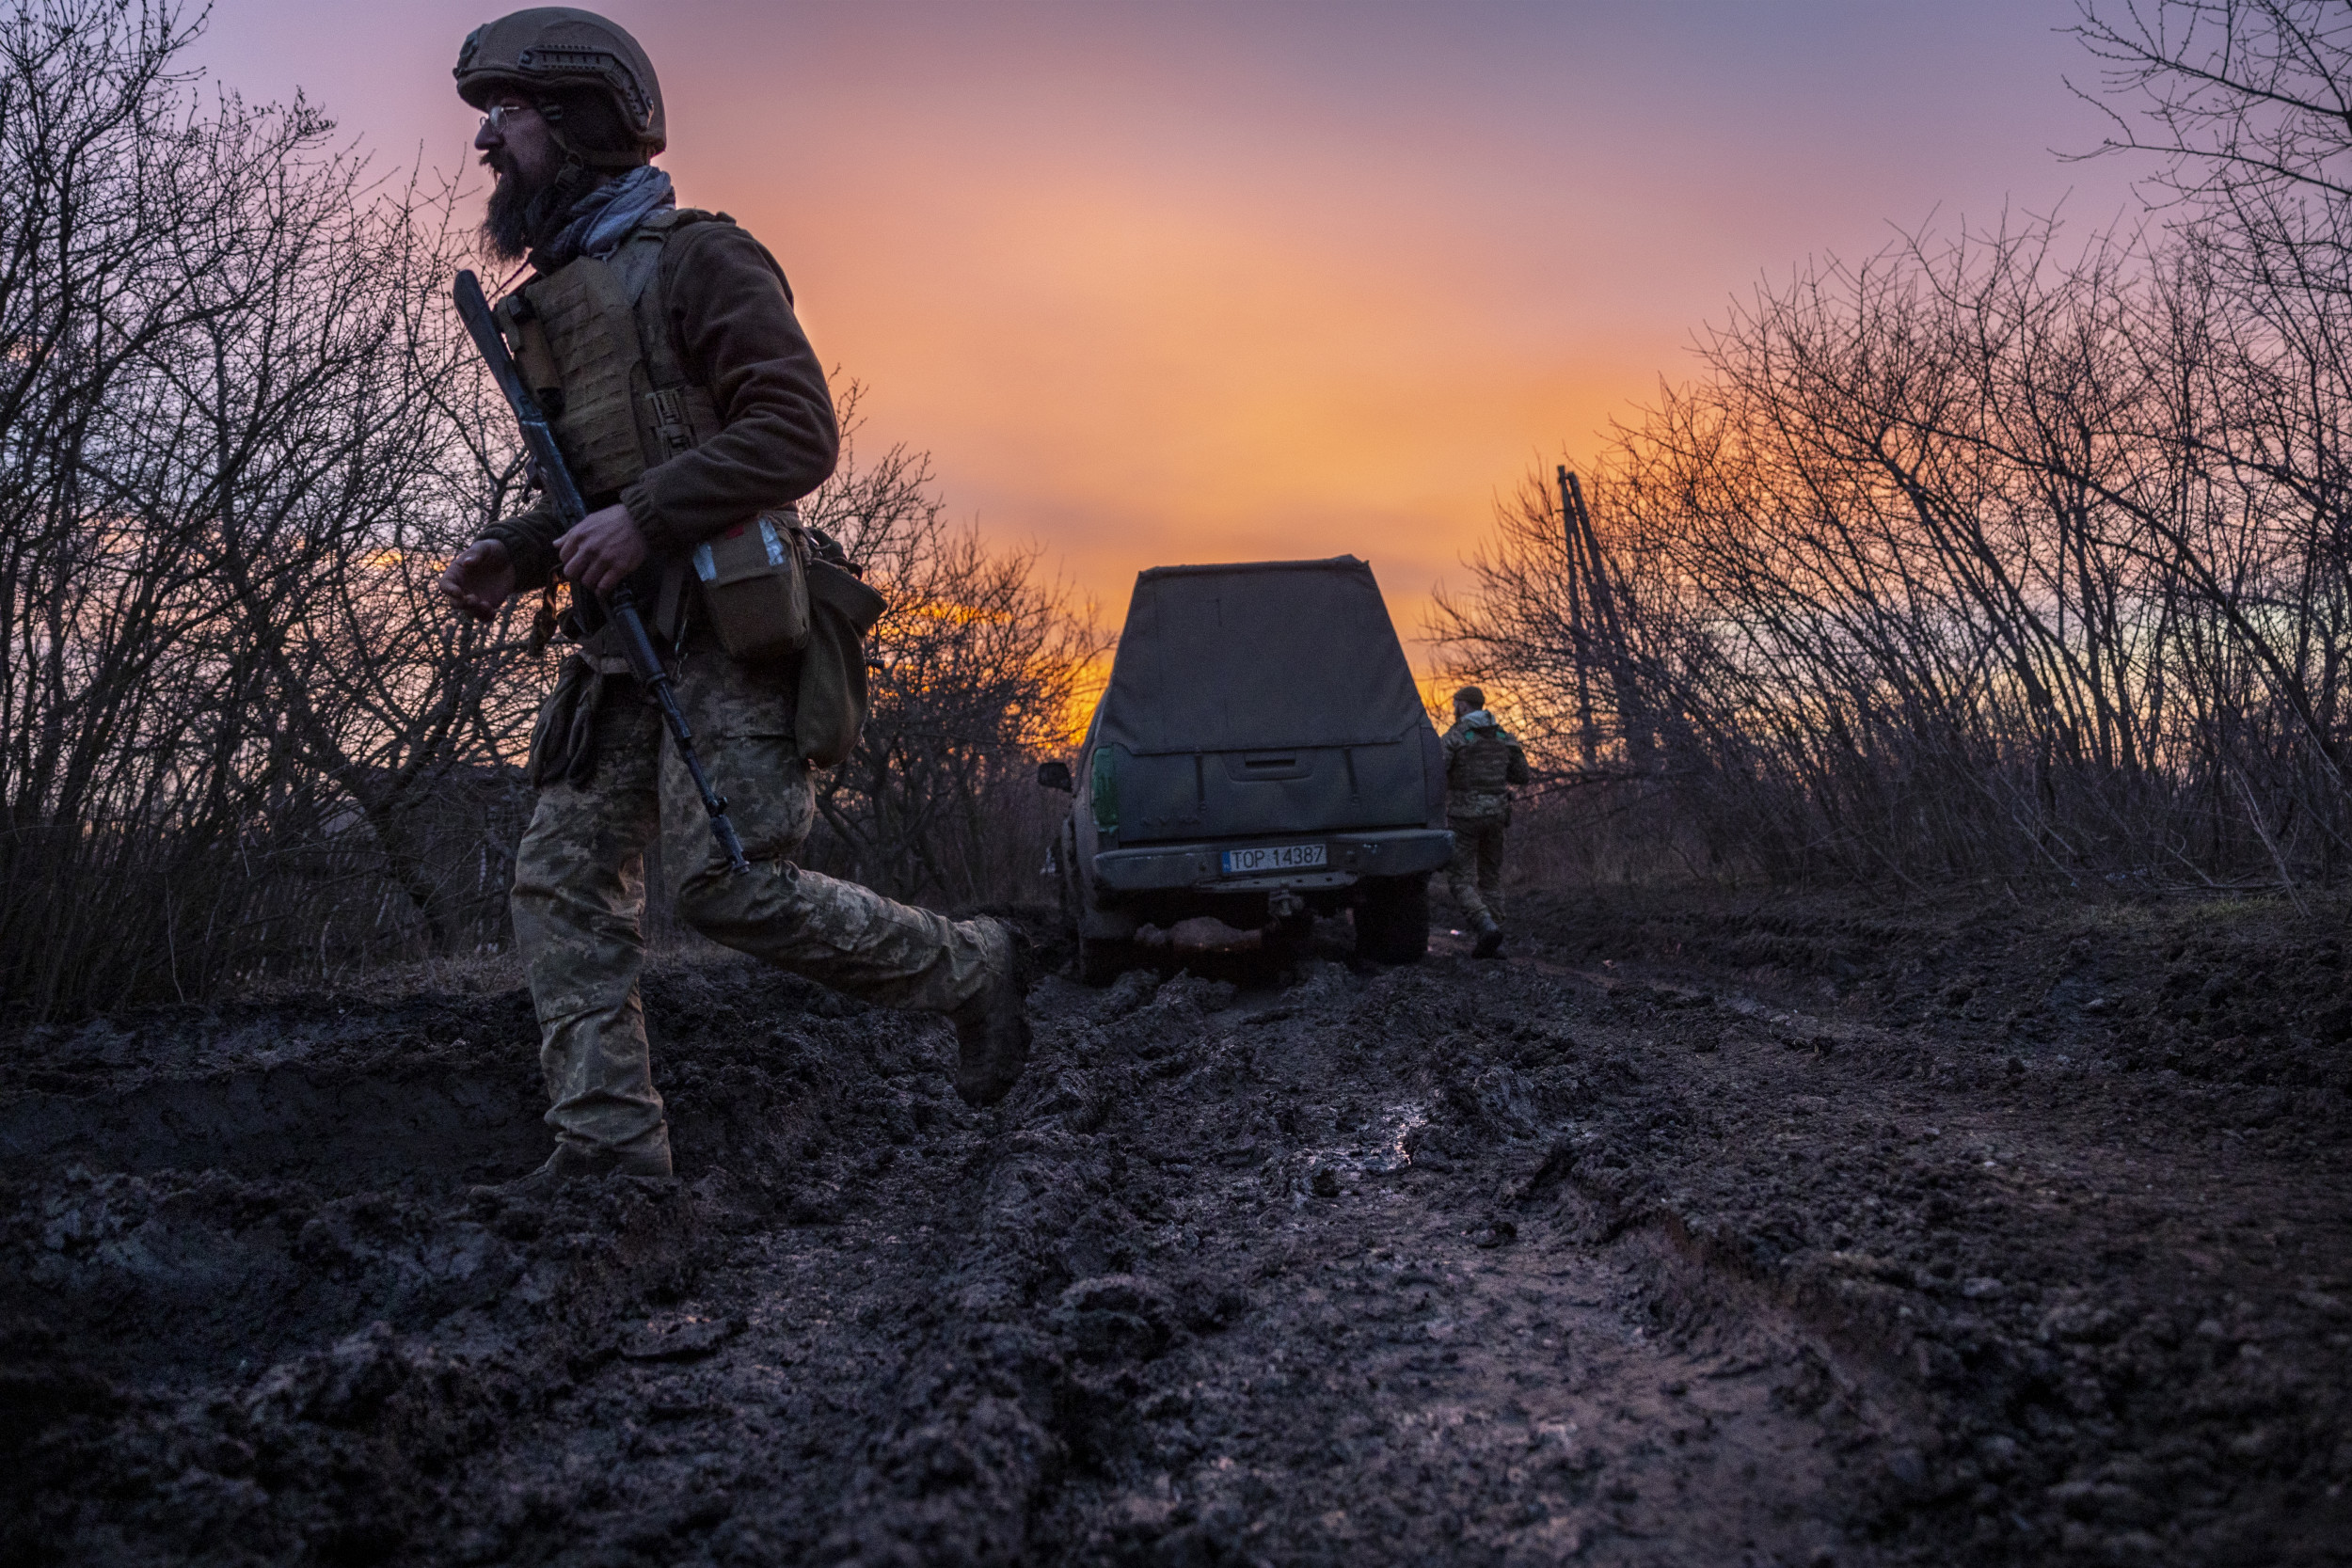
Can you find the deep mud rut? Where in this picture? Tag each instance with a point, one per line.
(1625, 1250)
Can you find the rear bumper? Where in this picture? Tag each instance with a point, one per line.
(1348, 858)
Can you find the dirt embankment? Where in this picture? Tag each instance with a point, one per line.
(1696, 1233)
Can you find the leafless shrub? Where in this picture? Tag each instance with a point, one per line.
(1979, 560)
(1969, 562)
(227, 467)
(976, 668)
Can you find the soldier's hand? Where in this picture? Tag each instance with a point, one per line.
(479, 579)
(602, 549)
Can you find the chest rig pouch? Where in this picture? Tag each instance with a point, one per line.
(593, 340)
(754, 580)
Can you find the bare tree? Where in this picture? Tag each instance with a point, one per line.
(2237, 98)
(976, 669)
(230, 454)
(1962, 563)
(1981, 559)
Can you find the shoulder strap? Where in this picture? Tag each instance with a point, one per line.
(682, 413)
(639, 259)
(639, 265)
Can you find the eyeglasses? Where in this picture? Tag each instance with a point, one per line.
(495, 117)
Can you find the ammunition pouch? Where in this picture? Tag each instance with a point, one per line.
(564, 741)
(754, 588)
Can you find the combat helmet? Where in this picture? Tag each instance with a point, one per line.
(547, 50)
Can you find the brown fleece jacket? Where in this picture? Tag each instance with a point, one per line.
(731, 315)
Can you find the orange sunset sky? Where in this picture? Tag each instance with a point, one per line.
(1162, 282)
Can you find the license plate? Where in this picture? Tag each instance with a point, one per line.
(1280, 857)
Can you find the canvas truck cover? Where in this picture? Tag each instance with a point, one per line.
(1290, 656)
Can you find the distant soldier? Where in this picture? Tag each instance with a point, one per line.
(1482, 761)
(691, 408)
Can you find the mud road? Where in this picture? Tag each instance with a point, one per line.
(1691, 1234)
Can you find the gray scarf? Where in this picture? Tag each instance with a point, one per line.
(600, 221)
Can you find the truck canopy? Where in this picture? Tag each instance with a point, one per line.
(1258, 655)
(1262, 699)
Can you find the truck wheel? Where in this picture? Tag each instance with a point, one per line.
(1293, 936)
(1392, 921)
(1101, 960)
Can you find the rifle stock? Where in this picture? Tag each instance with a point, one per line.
(555, 476)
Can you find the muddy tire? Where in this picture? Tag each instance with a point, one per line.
(1392, 921)
(1292, 938)
(1101, 960)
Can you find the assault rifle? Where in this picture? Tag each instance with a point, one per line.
(620, 605)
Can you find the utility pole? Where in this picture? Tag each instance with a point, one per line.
(1633, 711)
(1579, 638)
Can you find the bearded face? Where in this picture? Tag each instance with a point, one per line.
(518, 149)
(518, 213)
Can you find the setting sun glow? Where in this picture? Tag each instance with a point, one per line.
(1202, 282)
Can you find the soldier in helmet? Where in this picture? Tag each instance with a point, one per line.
(1482, 761)
(689, 405)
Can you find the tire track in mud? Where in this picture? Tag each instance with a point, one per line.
(1307, 1346)
(1460, 1262)
(1210, 1288)
(1231, 1278)
(2048, 1255)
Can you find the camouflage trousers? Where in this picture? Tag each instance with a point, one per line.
(579, 895)
(1475, 876)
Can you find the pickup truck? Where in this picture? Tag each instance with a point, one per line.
(1260, 756)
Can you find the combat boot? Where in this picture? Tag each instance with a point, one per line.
(1489, 938)
(577, 1161)
(993, 1029)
